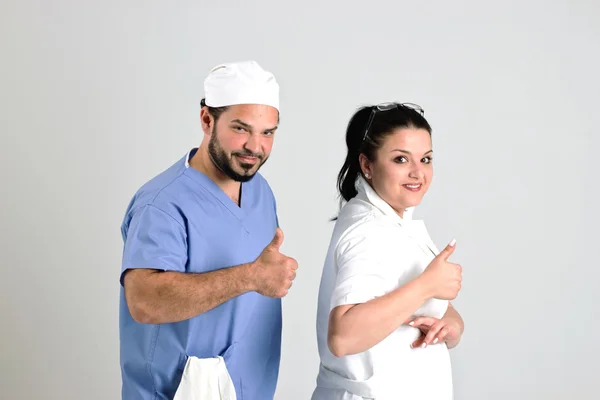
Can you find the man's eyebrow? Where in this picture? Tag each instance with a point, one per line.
(242, 123)
(249, 127)
(408, 152)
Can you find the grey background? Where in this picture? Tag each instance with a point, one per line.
(98, 97)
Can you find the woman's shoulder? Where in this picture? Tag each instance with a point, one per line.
(359, 221)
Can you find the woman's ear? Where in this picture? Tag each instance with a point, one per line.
(365, 165)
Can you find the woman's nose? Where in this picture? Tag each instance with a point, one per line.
(416, 173)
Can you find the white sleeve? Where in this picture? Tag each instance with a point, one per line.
(368, 264)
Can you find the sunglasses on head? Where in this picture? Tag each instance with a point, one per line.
(387, 107)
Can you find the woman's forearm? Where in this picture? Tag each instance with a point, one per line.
(357, 328)
(454, 317)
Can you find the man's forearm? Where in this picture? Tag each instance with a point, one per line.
(453, 316)
(156, 297)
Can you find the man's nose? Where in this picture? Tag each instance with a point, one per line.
(253, 144)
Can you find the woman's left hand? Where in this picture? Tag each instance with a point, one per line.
(434, 330)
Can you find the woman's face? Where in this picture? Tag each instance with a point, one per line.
(402, 169)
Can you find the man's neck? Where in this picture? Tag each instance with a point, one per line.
(202, 162)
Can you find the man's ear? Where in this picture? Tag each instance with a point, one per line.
(207, 121)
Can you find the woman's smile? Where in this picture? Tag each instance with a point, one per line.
(413, 187)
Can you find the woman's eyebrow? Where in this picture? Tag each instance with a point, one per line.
(408, 152)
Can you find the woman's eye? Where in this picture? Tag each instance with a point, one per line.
(401, 160)
(426, 160)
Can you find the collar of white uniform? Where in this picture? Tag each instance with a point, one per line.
(415, 228)
(364, 188)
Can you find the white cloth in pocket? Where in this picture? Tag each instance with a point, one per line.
(205, 379)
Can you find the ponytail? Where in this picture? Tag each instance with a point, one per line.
(351, 170)
(347, 177)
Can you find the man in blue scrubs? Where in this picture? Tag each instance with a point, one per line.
(202, 274)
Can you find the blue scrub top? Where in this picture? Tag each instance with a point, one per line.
(182, 221)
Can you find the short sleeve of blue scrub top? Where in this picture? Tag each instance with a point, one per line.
(156, 240)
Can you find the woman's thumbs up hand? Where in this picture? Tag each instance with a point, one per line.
(442, 277)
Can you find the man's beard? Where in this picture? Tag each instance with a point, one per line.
(225, 163)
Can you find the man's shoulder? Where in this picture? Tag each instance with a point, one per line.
(261, 185)
(260, 181)
(161, 191)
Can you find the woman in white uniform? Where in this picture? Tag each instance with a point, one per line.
(384, 321)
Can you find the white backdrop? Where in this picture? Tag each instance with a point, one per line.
(99, 96)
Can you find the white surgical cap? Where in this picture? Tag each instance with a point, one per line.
(242, 82)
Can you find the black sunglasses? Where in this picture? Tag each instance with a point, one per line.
(387, 107)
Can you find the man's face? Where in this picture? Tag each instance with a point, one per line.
(242, 139)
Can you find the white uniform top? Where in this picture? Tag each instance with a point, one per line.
(372, 252)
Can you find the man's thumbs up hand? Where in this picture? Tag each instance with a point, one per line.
(277, 240)
(274, 272)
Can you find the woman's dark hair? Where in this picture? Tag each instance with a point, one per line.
(214, 111)
(365, 133)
